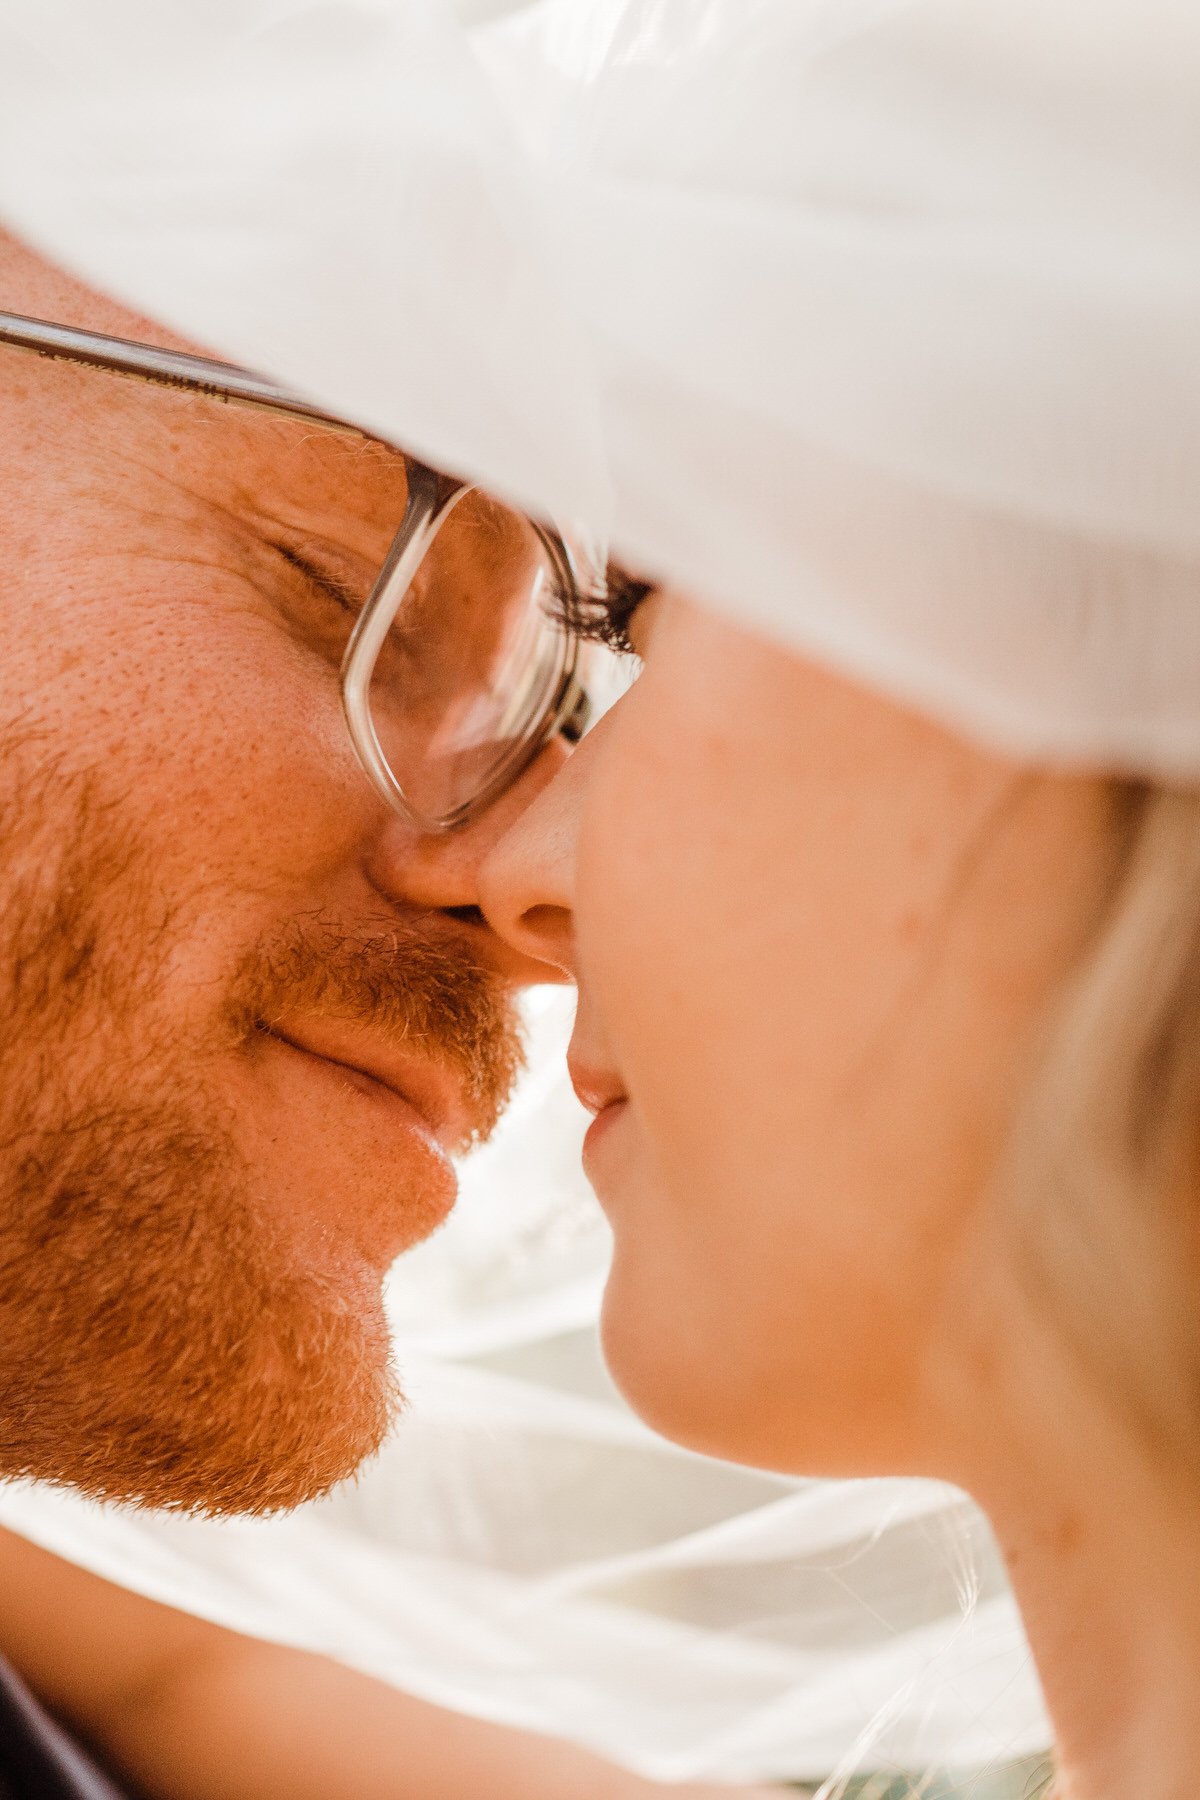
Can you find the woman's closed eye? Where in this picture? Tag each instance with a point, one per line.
(608, 619)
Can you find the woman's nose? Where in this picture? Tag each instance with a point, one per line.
(493, 871)
(527, 879)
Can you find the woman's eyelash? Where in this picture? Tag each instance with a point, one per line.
(606, 618)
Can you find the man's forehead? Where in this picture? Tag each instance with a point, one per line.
(254, 457)
(31, 284)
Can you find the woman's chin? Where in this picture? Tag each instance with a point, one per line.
(666, 1376)
(689, 1367)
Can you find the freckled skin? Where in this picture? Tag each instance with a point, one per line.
(182, 812)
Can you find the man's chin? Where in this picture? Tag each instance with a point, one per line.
(316, 1396)
(308, 1395)
(170, 1341)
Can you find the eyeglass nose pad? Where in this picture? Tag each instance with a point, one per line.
(577, 716)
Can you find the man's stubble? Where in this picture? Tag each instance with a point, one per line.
(162, 1341)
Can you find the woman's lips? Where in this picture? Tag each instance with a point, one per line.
(601, 1092)
(596, 1089)
(601, 1125)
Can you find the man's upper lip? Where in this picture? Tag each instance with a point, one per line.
(594, 1088)
(430, 1089)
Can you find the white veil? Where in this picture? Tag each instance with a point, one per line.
(874, 322)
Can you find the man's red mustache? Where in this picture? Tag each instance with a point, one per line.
(418, 984)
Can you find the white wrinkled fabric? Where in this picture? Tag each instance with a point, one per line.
(872, 321)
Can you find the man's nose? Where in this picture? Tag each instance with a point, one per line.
(471, 871)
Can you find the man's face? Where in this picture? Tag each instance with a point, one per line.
(247, 1012)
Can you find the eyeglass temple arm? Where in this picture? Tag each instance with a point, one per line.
(166, 368)
(203, 375)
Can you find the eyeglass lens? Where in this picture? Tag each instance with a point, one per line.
(475, 661)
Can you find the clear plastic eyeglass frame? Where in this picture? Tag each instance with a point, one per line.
(432, 496)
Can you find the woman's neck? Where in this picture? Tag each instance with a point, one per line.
(1102, 1541)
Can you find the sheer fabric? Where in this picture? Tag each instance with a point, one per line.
(873, 322)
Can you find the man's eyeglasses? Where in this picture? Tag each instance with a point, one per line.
(460, 663)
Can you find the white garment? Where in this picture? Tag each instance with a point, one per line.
(875, 321)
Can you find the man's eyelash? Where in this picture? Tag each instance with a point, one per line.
(606, 619)
(321, 578)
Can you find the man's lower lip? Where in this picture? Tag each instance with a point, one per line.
(601, 1125)
(385, 1123)
(373, 1090)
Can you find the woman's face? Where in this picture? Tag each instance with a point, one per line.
(815, 936)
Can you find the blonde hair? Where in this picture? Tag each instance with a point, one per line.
(1107, 1150)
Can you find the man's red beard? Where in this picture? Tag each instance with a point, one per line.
(162, 1341)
